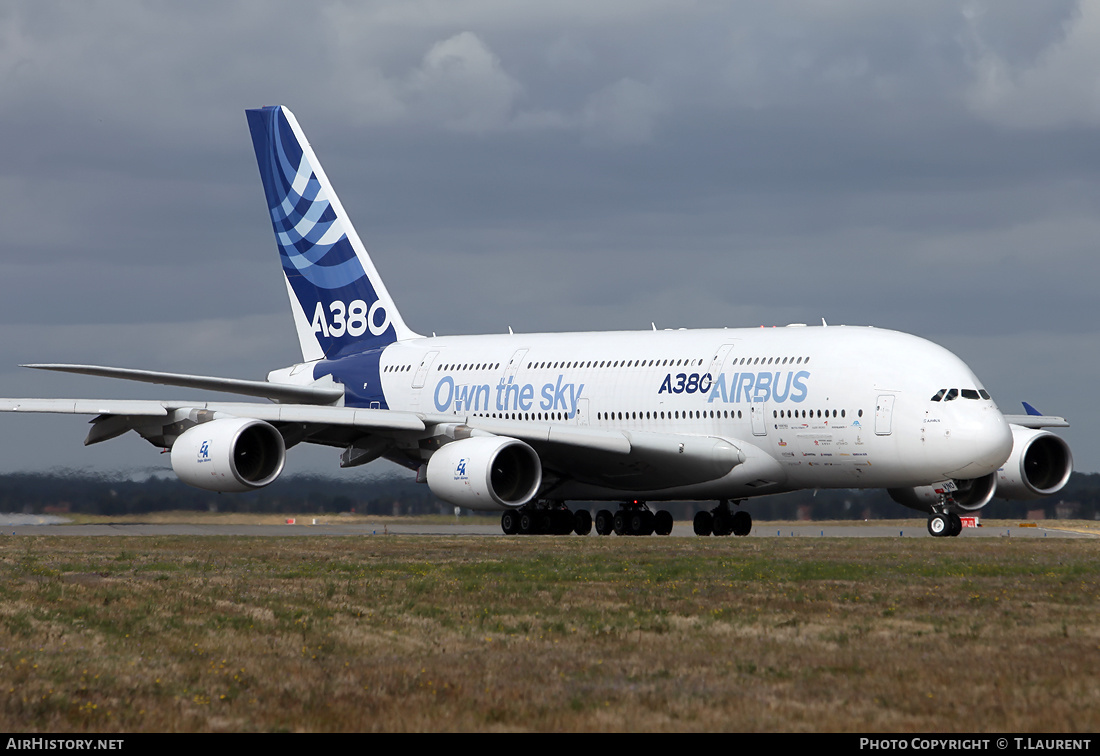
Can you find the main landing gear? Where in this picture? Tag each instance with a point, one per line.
(546, 518)
(554, 518)
(634, 518)
(722, 521)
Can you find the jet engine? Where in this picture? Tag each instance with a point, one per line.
(485, 472)
(968, 495)
(229, 455)
(1040, 464)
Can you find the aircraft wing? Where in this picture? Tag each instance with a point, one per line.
(275, 391)
(356, 419)
(632, 460)
(272, 413)
(1037, 421)
(628, 460)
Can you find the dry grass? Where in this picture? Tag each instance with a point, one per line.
(571, 634)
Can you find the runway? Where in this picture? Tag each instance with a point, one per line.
(26, 525)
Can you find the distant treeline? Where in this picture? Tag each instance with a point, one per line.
(41, 493)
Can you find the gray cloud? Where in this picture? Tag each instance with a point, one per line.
(929, 167)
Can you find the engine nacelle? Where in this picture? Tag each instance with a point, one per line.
(229, 455)
(485, 472)
(1040, 465)
(968, 495)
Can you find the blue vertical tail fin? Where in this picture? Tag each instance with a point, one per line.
(339, 302)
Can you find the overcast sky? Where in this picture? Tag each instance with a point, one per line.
(926, 166)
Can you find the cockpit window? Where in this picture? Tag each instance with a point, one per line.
(947, 395)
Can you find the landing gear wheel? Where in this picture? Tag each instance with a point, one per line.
(939, 526)
(618, 523)
(662, 523)
(723, 524)
(582, 522)
(742, 523)
(605, 522)
(509, 523)
(527, 524)
(956, 524)
(703, 523)
(561, 522)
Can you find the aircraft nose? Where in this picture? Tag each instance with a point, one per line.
(985, 439)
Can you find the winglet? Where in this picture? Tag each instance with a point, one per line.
(1031, 410)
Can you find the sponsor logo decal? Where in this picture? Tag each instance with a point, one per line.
(778, 387)
(353, 319)
(507, 396)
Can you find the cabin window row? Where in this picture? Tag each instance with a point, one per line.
(667, 415)
(806, 414)
(470, 366)
(579, 364)
(612, 364)
(674, 415)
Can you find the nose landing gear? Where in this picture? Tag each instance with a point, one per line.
(943, 523)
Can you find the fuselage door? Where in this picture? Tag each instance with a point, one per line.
(884, 413)
(514, 364)
(718, 361)
(422, 371)
(582, 412)
(759, 425)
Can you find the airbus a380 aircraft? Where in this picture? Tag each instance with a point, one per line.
(523, 423)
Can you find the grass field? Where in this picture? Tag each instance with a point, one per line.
(390, 633)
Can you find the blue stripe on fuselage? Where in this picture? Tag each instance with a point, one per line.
(361, 376)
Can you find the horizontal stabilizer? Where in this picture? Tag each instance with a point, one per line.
(274, 391)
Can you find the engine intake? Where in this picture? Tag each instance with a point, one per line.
(229, 455)
(485, 472)
(1040, 464)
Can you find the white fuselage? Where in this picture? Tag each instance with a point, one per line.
(834, 406)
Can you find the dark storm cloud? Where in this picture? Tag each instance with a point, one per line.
(928, 166)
